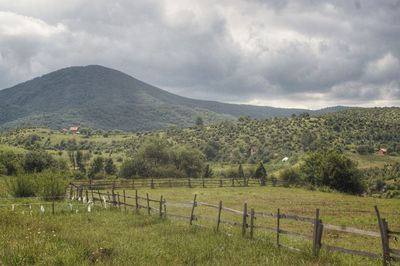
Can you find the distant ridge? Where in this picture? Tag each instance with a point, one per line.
(104, 98)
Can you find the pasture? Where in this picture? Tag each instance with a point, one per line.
(126, 237)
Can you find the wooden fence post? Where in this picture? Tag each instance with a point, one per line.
(52, 206)
(315, 233)
(152, 184)
(136, 200)
(119, 202)
(161, 205)
(92, 195)
(148, 203)
(219, 214)
(124, 200)
(203, 183)
(165, 208)
(233, 182)
(113, 197)
(384, 238)
(252, 217)
(244, 222)
(101, 201)
(278, 226)
(193, 206)
(189, 183)
(220, 182)
(70, 192)
(87, 196)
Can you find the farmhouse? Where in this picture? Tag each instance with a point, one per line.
(382, 151)
(74, 130)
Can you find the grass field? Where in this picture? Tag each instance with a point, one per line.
(115, 238)
(112, 236)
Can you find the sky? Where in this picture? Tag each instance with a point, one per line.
(307, 54)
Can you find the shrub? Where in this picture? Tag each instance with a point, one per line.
(21, 186)
(37, 161)
(50, 185)
(334, 170)
(291, 176)
(134, 168)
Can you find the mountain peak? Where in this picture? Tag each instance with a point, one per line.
(101, 97)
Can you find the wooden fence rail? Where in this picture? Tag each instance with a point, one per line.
(248, 223)
(169, 183)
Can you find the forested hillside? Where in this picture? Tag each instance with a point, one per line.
(104, 98)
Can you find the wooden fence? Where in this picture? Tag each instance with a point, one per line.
(247, 223)
(174, 182)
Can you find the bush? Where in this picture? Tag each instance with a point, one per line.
(134, 168)
(21, 186)
(37, 161)
(50, 185)
(291, 176)
(334, 170)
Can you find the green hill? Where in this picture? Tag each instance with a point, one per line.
(99, 97)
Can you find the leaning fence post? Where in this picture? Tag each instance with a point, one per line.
(161, 202)
(384, 238)
(244, 222)
(315, 233)
(219, 214)
(193, 206)
(252, 217)
(148, 203)
(278, 225)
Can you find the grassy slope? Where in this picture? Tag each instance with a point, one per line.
(77, 239)
(336, 208)
(70, 239)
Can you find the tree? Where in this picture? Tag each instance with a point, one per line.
(37, 161)
(134, 168)
(80, 161)
(110, 167)
(261, 173)
(189, 160)
(208, 172)
(333, 169)
(155, 150)
(241, 172)
(96, 167)
(199, 121)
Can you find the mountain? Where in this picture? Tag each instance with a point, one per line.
(100, 97)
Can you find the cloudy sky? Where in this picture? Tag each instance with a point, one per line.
(280, 53)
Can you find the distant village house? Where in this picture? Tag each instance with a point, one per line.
(74, 130)
(382, 151)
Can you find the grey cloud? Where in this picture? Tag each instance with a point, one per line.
(265, 52)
